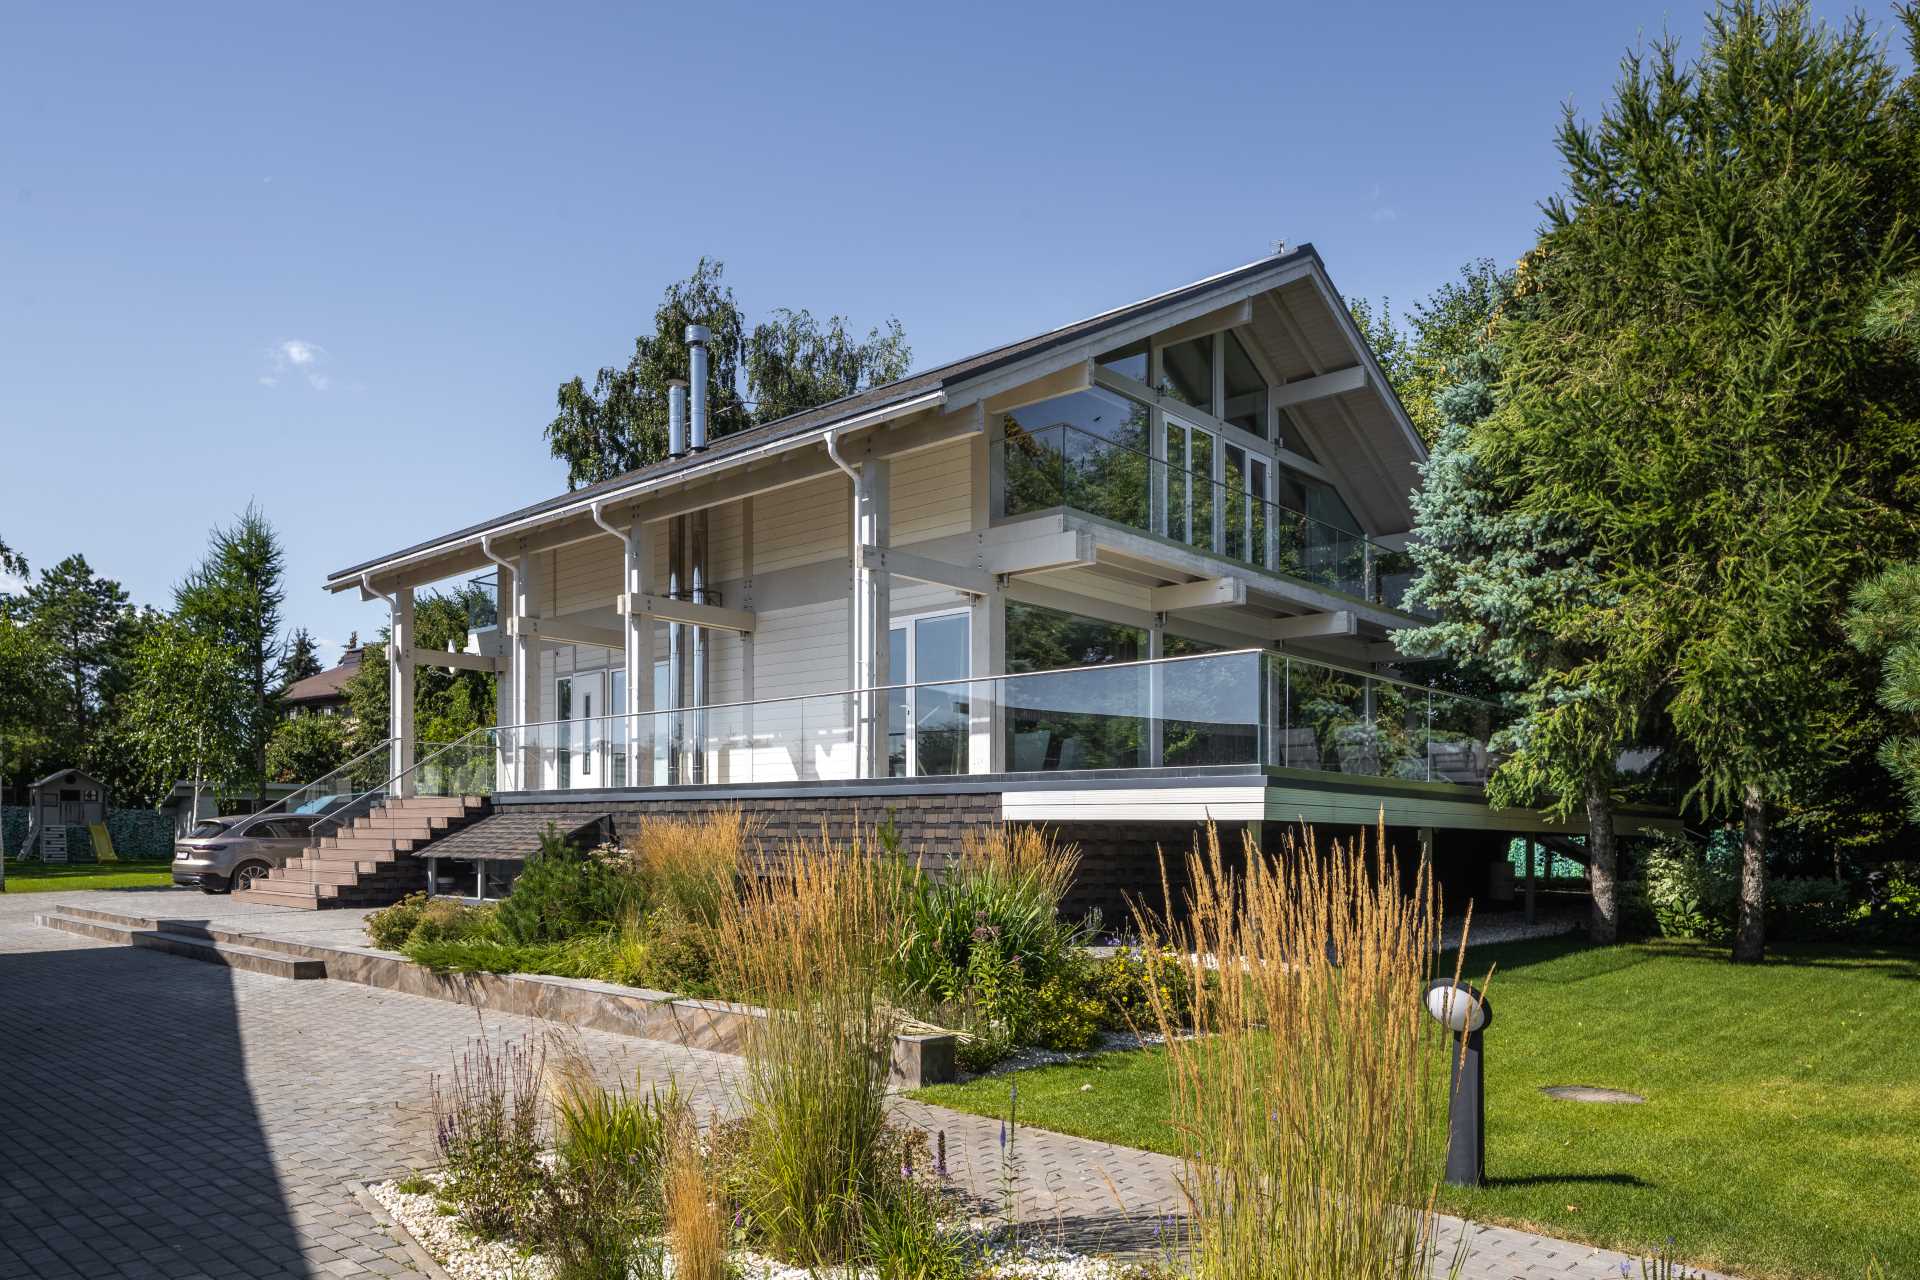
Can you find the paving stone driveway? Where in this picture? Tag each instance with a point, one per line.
(169, 1118)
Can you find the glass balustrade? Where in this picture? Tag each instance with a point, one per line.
(1061, 466)
(1248, 709)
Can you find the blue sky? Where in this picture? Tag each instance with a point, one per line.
(337, 258)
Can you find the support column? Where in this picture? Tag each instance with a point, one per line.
(1530, 879)
(871, 612)
(1156, 694)
(523, 651)
(400, 689)
(637, 728)
(987, 656)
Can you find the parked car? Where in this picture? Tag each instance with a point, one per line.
(223, 854)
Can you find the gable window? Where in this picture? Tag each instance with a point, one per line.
(1246, 390)
(1129, 361)
(1187, 372)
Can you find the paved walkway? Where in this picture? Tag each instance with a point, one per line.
(172, 1118)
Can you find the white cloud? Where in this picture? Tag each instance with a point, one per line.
(297, 356)
(1386, 214)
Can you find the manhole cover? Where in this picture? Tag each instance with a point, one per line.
(1589, 1093)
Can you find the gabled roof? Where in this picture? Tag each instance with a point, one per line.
(325, 685)
(925, 384)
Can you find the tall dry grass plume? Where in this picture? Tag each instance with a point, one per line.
(692, 865)
(696, 1221)
(1025, 854)
(811, 942)
(1305, 1098)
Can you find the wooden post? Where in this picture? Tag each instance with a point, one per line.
(400, 689)
(1530, 879)
(870, 616)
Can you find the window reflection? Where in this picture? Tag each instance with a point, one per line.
(1188, 370)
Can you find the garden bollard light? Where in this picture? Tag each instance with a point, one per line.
(1464, 1011)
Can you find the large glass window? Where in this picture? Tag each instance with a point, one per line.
(1188, 371)
(927, 727)
(1095, 721)
(1246, 405)
(1088, 450)
(1128, 361)
(1040, 639)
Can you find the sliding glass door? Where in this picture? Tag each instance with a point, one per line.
(927, 728)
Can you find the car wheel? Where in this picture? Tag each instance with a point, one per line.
(248, 874)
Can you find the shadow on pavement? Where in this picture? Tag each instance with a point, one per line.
(131, 1145)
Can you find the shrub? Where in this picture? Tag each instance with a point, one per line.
(1122, 983)
(389, 927)
(1304, 1107)
(561, 893)
(676, 953)
(1694, 892)
(1004, 892)
(902, 1232)
(449, 920)
(487, 1128)
(1064, 1015)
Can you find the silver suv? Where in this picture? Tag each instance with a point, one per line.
(222, 854)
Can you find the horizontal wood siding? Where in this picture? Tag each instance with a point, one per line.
(933, 493)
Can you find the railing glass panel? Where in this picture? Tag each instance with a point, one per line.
(1064, 466)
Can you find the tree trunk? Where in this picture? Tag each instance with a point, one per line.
(1750, 932)
(1602, 861)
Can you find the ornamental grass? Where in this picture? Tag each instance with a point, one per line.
(811, 941)
(1304, 1096)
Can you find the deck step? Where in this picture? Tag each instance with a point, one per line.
(179, 942)
(378, 859)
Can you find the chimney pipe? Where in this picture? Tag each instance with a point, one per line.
(697, 336)
(676, 418)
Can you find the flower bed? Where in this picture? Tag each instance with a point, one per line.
(977, 946)
(416, 1205)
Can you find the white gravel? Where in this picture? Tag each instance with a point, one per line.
(466, 1257)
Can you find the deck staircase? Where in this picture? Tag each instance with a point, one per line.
(376, 859)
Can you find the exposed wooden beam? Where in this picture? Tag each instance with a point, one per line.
(1320, 386)
(667, 609)
(904, 564)
(1205, 593)
(1075, 377)
(1068, 549)
(1314, 626)
(458, 661)
(566, 631)
(1231, 316)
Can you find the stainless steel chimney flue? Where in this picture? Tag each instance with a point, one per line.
(698, 336)
(676, 418)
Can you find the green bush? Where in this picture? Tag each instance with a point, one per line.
(450, 920)
(1064, 1015)
(1120, 983)
(389, 927)
(1694, 892)
(562, 893)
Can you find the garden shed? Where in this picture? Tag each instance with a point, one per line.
(59, 802)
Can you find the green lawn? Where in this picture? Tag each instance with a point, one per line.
(1781, 1133)
(37, 877)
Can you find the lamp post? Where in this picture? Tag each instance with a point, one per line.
(1462, 1010)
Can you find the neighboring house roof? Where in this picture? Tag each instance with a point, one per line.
(328, 686)
(64, 775)
(920, 385)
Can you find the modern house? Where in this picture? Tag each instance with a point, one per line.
(1124, 577)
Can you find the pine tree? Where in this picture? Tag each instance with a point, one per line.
(234, 599)
(1691, 391)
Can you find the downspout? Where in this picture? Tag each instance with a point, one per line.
(863, 711)
(629, 735)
